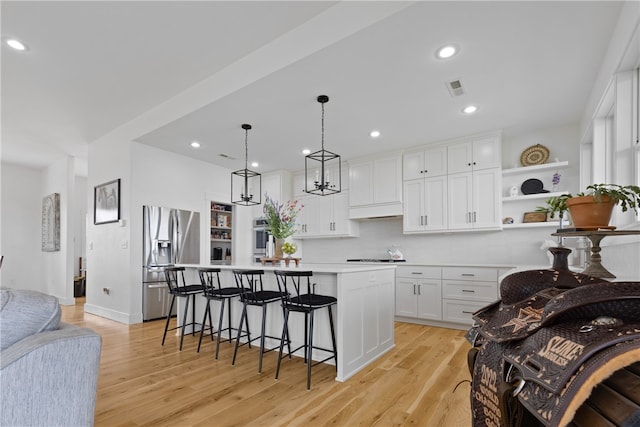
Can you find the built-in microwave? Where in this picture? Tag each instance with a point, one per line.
(260, 237)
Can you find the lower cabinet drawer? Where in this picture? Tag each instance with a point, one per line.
(472, 291)
(460, 311)
(483, 274)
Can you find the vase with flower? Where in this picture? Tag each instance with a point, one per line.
(555, 182)
(280, 218)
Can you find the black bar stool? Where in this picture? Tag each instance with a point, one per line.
(292, 285)
(253, 293)
(179, 289)
(210, 280)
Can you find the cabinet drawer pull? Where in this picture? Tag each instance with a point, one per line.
(416, 272)
(414, 289)
(468, 290)
(467, 312)
(468, 274)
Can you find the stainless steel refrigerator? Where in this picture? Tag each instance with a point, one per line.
(170, 236)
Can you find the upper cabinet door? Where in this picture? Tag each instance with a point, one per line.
(387, 185)
(460, 200)
(435, 203)
(413, 165)
(435, 162)
(413, 218)
(361, 181)
(460, 157)
(486, 198)
(425, 163)
(486, 153)
(481, 153)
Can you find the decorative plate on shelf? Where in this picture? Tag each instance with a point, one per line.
(535, 155)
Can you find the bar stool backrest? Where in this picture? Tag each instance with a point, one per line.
(175, 278)
(249, 281)
(210, 279)
(292, 283)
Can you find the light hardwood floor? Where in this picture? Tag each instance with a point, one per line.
(142, 383)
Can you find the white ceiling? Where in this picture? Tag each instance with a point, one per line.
(95, 66)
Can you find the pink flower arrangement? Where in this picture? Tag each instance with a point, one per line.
(281, 217)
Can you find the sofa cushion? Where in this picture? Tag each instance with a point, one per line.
(24, 313)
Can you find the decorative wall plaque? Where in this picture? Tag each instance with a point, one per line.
(51, 223)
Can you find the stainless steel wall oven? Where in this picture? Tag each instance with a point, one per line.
(260, 237)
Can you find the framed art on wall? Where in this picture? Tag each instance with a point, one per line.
(51, 223)
(106, 202)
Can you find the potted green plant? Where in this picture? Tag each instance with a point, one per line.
(593, 208)
(281, 220)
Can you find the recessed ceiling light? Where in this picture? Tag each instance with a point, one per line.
(446, 51)
(306, 151)
(375, 133)
(470, 109)
(15, 44)
(195, 144)
(254, 164)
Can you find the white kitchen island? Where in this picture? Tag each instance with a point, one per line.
(364, 314)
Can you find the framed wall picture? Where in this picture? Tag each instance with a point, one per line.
(51, 223)
(106, 202)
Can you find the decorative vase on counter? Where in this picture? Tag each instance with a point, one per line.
(278, 252)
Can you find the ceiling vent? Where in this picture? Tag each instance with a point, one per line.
(226, 156)
(455, 87)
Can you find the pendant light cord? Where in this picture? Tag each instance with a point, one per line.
(322, 133)
(246, 147)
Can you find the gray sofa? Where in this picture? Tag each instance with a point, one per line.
(48, 369)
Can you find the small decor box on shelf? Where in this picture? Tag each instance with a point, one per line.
(534, 217)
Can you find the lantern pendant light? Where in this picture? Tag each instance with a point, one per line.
(323, 168)
(244, 181)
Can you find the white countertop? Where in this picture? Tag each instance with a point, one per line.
(422, 264)
(316, 268)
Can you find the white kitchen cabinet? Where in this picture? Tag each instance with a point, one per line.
(333, 174)
(308, 220)
(298, 184)
(466, 290)
(326, 216)
(444, 295)
(425, 205)
(375, 187)
(418, 292)
(425, 163)
(277, 185)
(455, 185)
(475, 154)
(474, 200)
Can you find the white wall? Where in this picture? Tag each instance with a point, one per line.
(80, 222)
(512, 247)
(26, 266)
(21, 228)
(108, 262)
(159, 178)
(58, 265)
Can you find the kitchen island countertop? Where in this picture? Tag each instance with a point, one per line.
(315, 267)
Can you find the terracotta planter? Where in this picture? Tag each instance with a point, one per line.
(589, 212)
